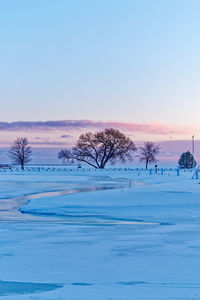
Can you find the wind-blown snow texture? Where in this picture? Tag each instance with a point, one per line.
(138, 240)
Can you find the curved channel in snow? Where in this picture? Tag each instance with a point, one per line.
(15, 209)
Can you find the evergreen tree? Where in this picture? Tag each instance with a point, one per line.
(187, 161)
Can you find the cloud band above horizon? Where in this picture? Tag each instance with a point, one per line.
(78, 125)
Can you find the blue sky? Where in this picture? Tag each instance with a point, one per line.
(129, 61)
(135, 64)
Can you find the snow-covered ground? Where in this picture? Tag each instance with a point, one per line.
(99, 235)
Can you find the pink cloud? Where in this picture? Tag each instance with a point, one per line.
(82, 125)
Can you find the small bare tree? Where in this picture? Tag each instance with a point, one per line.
(97, 149)
(20, 152)
(149, 152)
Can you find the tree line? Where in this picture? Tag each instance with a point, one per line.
(97, 150)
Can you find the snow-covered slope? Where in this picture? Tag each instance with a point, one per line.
(138, 240)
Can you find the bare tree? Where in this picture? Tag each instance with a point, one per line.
(97, 149)
(149, 152)
(20, 152)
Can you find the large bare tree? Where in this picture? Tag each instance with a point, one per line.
(97, 149)
(149, 152)
(20, 152)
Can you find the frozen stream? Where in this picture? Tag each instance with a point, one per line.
(10, 208)
(11, 211)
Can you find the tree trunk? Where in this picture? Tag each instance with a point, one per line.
(147, 164)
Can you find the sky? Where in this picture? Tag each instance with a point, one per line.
(92, 64)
